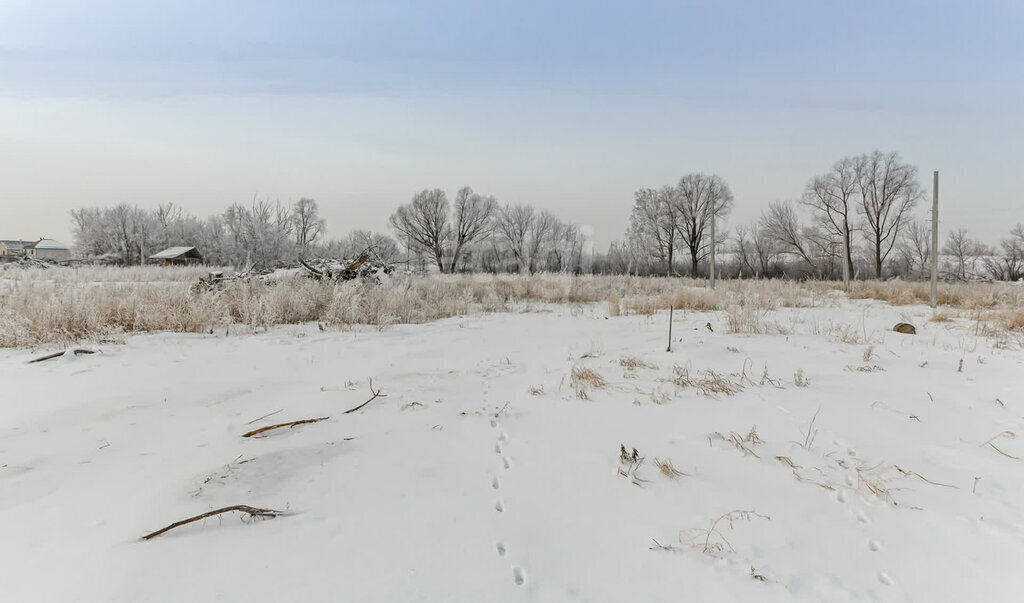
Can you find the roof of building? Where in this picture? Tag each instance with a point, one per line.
(172, 253)
(15, 244)
(47, 244)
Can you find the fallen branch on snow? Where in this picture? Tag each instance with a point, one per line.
(252, 512)
(376, 394)
(77, 352)
(280, 425)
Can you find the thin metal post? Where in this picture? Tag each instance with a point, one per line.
(935, 240)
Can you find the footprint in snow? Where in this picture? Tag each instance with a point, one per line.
(494, 423)
(499, 507)
(506, 462)
(519, 576)
(497, 447)
(884, 578)
(862, 518)
(503, 437)
(841, 495)
(874, 545)
(502, 549)
(495, 483)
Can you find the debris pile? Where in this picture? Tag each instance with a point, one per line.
(330, 269)
(363, 267)
(27, 262)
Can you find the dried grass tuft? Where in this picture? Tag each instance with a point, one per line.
(668, 469)
(632, 363)
(708, 383)
(583, 379)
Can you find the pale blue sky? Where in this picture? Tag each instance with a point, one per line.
(570, 106)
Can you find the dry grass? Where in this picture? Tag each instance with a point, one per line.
(954, 295)
(614, 304)
(583, 379)
(63, 305)
(708, 383)
(632, 363)
(1013, 320)
(668, 469)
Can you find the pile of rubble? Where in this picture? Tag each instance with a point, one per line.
(329, 269)
(363, 267)
(27, 262)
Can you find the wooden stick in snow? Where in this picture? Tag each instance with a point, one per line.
(252, 512)
(280, 425)
(77, 352)
(376, 394)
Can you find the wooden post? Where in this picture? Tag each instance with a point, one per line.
(935, 240)
(671, 307)
(846, 255)
(711, 272)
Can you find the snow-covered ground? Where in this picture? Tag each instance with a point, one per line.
(482, 476)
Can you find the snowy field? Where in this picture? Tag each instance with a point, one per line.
(829, 460)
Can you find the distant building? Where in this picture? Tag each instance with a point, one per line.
(178, 256)
(13, 248)
(48, 250)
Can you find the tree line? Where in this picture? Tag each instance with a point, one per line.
(473, 233)
(863, 204)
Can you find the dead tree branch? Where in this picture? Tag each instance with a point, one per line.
(280, 425)
(376, 394)
(77, 352)
(252, 512)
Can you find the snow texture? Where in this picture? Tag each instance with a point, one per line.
(484, 476)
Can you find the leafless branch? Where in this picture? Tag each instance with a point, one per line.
(376, 394)
(280, 425)
(252, 512)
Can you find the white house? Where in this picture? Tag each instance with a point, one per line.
(48, 250)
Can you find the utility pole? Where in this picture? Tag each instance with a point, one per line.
(846, 255)
(712, 266)
(935, 240)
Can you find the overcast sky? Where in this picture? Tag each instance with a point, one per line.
(570, 106)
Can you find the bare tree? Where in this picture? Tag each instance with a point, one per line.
(914, 248)
(756, 250)
(888, 191)
(539, 237)
(424, 222)
(1009, 265)
(962, 254)
(782, 224)
(512, 225)
(473, 221)
(307, 222)
(655, 221)
(831, 197)
(698, 196)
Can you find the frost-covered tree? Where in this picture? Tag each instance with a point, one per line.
(700, 196)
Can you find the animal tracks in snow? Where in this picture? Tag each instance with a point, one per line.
(518, 575)
(842, 497)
